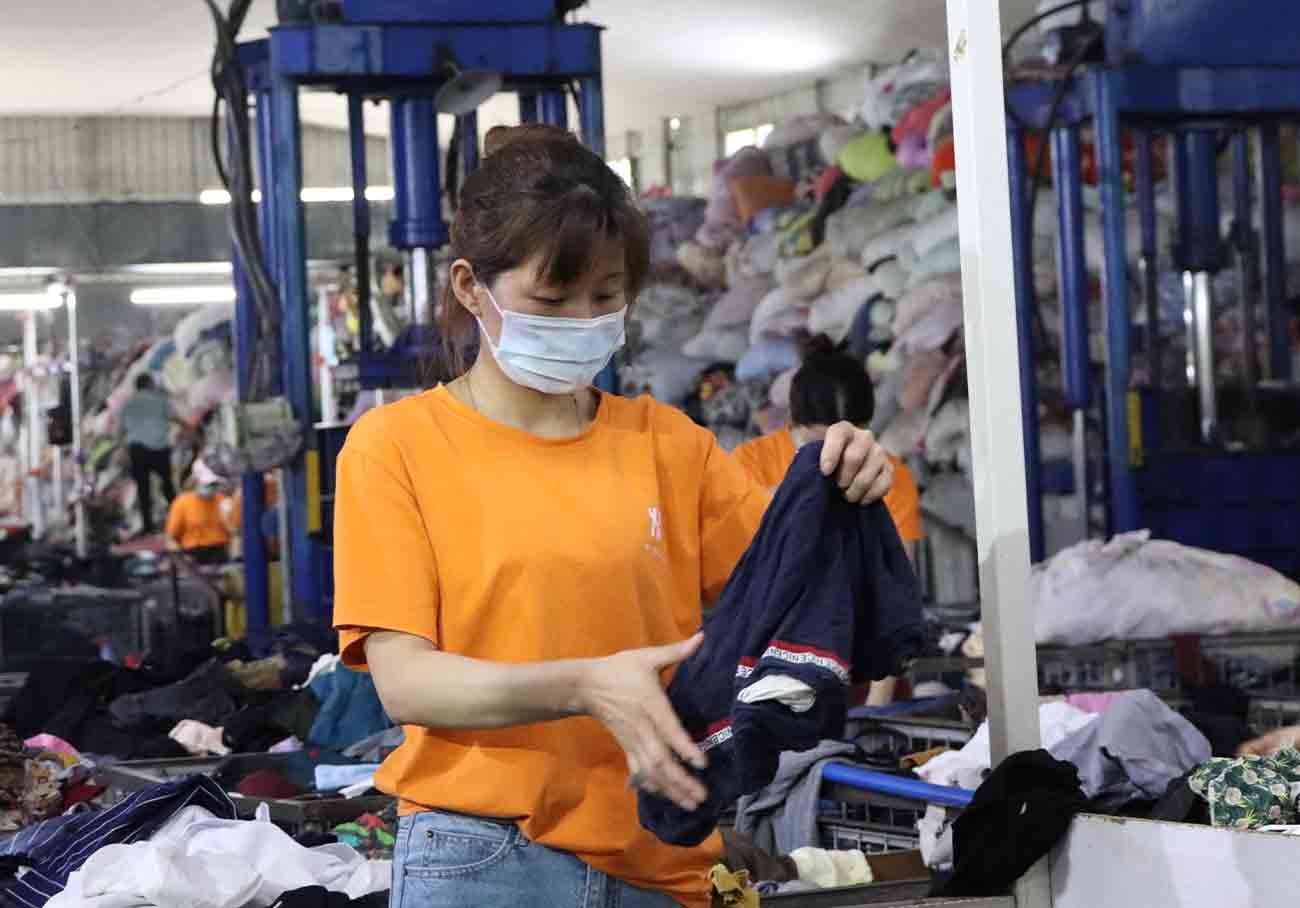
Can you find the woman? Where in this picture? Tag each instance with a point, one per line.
(832, 387)
(519, 558)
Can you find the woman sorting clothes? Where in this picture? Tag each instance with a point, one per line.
(519, 558)
(832, 387)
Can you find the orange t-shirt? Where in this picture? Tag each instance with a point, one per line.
(195, 522)
(495, 544)
(236, 513)
(767, 460)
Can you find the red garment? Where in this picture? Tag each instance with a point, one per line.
(945, 159)
(826, 182)
(918, 118)
(267, 783)
(81, 793)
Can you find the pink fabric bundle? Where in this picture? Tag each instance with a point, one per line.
(721, 218)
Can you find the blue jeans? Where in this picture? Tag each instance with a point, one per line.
(445, 860)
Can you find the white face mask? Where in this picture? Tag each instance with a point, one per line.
(554, 355)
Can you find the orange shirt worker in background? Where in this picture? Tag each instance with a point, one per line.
(196, 525)
(518, 557)
(831, 387)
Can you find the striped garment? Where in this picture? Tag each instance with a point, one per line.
(62, 845)
(824, 597)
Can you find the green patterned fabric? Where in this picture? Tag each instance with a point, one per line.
(1250, 792)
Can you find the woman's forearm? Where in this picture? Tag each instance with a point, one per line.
(420, 685)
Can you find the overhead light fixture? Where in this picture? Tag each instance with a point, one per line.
(178, 268)
(183, 296)
(309, 195)
(675, 124)
(29, 302)
(214, 197)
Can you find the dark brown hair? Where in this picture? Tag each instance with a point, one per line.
(829, 387)
(539, 192)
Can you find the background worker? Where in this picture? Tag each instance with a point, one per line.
(146, 421)
(832, 387)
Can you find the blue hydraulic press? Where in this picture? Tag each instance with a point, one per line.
(1211, 78)
(424, 57)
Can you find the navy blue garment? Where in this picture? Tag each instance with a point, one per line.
(57, 847)
(824, 594)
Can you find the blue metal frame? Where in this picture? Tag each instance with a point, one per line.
(1021, 228)
(1166, 97)
(395, 49)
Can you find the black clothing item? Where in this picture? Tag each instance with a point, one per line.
(320, 897)
(1181, 805)
(1015, 818)
(824, 594)
(270, 719)
(209, 555)
(833, 201)
(146, 463)
(207, 696)
(70, 700)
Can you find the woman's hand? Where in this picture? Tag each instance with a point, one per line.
(624, 692)
(1271, 743)
(859, 464)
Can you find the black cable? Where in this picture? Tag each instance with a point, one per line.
(231, 90)
(1040, 162)
(1035, 19)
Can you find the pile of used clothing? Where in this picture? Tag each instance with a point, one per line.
(181, 843)
(287, 724)
(295, 699)
(849, 229)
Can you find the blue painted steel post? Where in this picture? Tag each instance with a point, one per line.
(593, 114)
(1024, 276)
(1124, 512)
(360, 217)
(469, 141)
(265, 153)
(592, 111)
(555, 108)
(1144, 178)
(1270, 201)
(1072, 269)
(528, 112)
(417, 205)
(1200, 242)
(287, 216)
(257, 575)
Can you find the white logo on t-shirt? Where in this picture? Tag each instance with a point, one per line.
(656, 525)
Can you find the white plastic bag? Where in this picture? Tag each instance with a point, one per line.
(1135, 588)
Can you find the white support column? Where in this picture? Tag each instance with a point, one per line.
(32, 408)
(325, 356)
(997, 437)
(79, 490)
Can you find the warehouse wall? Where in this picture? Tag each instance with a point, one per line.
(699, 142)
(88, 237)
(74, 160)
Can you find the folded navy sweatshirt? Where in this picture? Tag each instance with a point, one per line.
(824, 595)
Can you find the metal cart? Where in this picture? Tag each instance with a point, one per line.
(307, 814)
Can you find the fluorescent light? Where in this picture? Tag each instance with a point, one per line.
(326, 194)
(214, 197)
(178, 268)
(27, 302)
(182, 296)
(309, 194)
